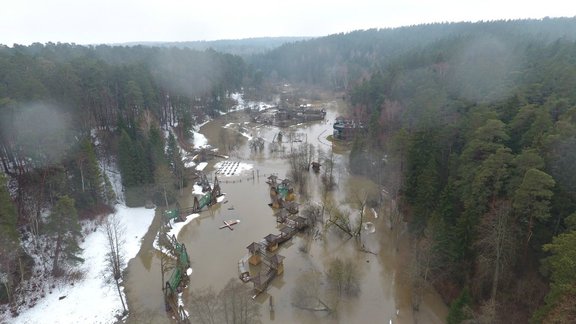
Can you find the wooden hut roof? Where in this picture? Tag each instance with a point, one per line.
(286, 229)
(253, 247)
(270, 238)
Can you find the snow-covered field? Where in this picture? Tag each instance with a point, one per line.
(243, 104)
(91, 300)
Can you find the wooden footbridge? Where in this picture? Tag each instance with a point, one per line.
(263, 253)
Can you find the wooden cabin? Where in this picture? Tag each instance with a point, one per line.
(254, 249)
(271, 242)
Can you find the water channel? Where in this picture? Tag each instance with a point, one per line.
(385, 294)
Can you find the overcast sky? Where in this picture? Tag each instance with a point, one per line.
(117, 21)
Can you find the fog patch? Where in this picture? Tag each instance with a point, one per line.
(39, 132)
(187, 73)
(483, 70)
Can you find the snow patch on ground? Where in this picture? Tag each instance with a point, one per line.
(115, 180)
(188, 163)
(197, 190)
(176, 228)
(243, 104)
(91, 300)
(239, 128)
(201, 166)
(199, 140)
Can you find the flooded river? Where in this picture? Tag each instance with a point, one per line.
(385, 293)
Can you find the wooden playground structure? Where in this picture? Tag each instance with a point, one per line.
(207, 199)
(179, 276)
(177, 281)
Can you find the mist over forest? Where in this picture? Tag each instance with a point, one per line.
(470, 126)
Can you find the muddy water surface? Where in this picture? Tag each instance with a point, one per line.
(385, 294)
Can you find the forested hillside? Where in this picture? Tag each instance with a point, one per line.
(473, 128)
(339, 61)
(71, 114)
(241, 47)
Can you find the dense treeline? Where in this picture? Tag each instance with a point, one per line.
(482, 129)
(339, 61)
(52, 95)
(69, 113)
(242, 47)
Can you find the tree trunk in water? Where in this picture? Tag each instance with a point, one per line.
(121, 298)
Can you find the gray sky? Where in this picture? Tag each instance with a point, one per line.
(116, 21)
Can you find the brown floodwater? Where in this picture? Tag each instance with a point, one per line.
(385, 293)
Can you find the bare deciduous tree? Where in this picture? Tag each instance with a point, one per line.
(423, 263)
(307, 294)
(232, 305)
(167, 262)
(205, 307)
(496, 246)
(237, 304)
(343, 277)
(115, 258)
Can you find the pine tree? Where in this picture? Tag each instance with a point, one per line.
(125, 160)
(91, 187)
(175, 160)
(63, 226)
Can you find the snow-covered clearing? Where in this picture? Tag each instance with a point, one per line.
(91, 300)
(199, 140)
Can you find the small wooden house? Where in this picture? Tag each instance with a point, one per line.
(254, 249)
(271, 242)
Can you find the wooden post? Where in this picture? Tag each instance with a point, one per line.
(271, 302)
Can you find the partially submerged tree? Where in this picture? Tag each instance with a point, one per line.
(205, 306)
(308, 295)
(343, 277)
(237, 304)
(232, 305)
(167, 262)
